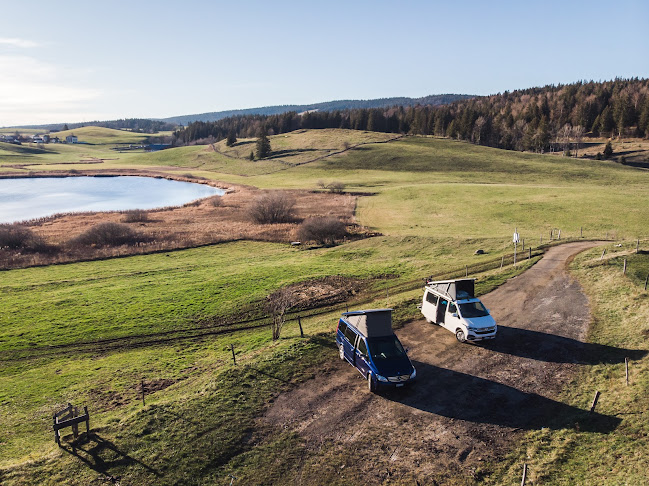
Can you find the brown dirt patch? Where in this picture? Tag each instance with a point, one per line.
(325, 291)
(194, 224)
(470, 403)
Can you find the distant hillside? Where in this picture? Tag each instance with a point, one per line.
(340, 105)
(138, 125)
(553, 117)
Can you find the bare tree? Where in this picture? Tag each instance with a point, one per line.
(564, 136)
(578, 137)
(277, 304)
(477, 129)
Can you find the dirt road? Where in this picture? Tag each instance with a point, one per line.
(470, 403)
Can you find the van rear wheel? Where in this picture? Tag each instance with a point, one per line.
(341, 352)
(371, 386)
(459, 334)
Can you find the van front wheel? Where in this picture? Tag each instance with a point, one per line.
(459, 334)
(371, 386)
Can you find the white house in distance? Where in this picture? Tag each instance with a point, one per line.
(71, 139)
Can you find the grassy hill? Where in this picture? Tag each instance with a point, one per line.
(435, 200)
(103, 136)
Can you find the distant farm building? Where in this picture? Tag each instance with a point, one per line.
(71, 139)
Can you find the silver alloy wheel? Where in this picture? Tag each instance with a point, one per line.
(460, 335)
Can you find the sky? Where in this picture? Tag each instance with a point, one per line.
(79, 61)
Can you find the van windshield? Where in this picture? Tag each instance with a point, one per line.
(387, 347)
(473, 309)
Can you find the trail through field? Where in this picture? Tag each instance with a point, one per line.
(470, 402)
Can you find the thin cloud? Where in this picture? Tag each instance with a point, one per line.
(34, 91)
(16, 42)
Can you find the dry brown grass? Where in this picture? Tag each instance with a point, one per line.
(196, 224)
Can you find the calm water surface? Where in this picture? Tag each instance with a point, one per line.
(29, 198)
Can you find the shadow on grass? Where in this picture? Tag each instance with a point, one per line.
(557, 349)
(101, 455)
(466, 397)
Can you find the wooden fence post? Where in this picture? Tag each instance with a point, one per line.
(299, 323)
(559, 236)
(502, 261)
(581, 232)
(626, 370)
(624, 270)
(594, 404)
(646, 281)
(603, 252)
(234, 358)
(85, 411)
(466, 270)
(142, 385)
(530, 257)
(57, 436)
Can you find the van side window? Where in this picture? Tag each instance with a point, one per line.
(342, 327)
(432, 298)
(350, 335)
(452, 309)
(362, 347)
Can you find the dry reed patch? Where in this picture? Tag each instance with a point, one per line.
(195, 224)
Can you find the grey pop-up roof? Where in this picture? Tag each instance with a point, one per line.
(372, 322)
(455, 289)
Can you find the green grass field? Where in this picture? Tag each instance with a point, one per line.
(435, 201)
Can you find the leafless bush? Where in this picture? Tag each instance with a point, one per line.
(336, 187)
(216, 201)
(273, 207)
(14, 237)
(323, 230)
(321, 184)
(108, 234)
(136, 216)
(277, 304)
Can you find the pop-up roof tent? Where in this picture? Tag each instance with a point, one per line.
(372, 322)
(455, 289)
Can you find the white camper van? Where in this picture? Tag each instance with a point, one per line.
(453, 305)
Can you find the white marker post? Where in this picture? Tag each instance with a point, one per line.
(516, 240)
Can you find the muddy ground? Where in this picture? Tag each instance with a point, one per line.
(471, 402)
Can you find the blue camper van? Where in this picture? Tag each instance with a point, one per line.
(366, 340)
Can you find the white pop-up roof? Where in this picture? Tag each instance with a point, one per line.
(371, 322)
(455, 289)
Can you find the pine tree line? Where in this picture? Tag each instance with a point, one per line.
(536, 119)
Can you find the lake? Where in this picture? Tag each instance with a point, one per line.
(28, 198)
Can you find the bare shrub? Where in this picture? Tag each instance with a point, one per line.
(136, 216)
(108, 234)
(273, 207)
(336, 187)
(322, 230)
(14, 237)
(216, 201)
(321, 184)
(277, 304)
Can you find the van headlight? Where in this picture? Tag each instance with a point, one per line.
(381, 378)
(413, 374)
